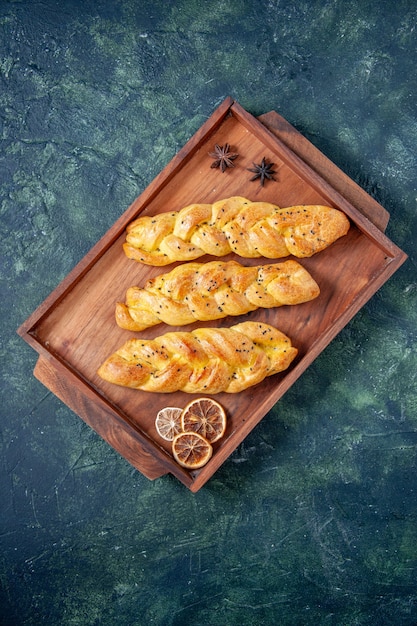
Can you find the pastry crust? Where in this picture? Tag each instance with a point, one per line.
(214, 290)
(250, 229)
(206, 360)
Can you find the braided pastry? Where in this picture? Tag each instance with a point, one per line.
(210, 291)
(250, 229)
(206, 360)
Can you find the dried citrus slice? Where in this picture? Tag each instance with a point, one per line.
(168, 422)
(205, 417)
(191, 450)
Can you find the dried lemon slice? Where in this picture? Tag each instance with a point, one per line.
(191, 450)
(168, 422)
(206, 417)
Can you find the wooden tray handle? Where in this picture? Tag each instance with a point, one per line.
(124, 442)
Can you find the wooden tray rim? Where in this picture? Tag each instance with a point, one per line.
(27, 330)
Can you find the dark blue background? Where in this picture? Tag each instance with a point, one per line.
(313, 519)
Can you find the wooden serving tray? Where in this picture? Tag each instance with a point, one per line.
(74, 330)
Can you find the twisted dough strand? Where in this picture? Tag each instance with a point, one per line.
(214, 290)
(206, 360)
(249, 229)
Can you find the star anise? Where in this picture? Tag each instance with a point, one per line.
(223, 157)
(263, 171)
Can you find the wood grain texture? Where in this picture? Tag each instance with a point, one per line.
(74, 329)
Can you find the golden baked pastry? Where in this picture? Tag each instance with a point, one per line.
(206, 360)
(210, 291)
(250, 229)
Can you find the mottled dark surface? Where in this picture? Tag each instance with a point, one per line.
(313, 519)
